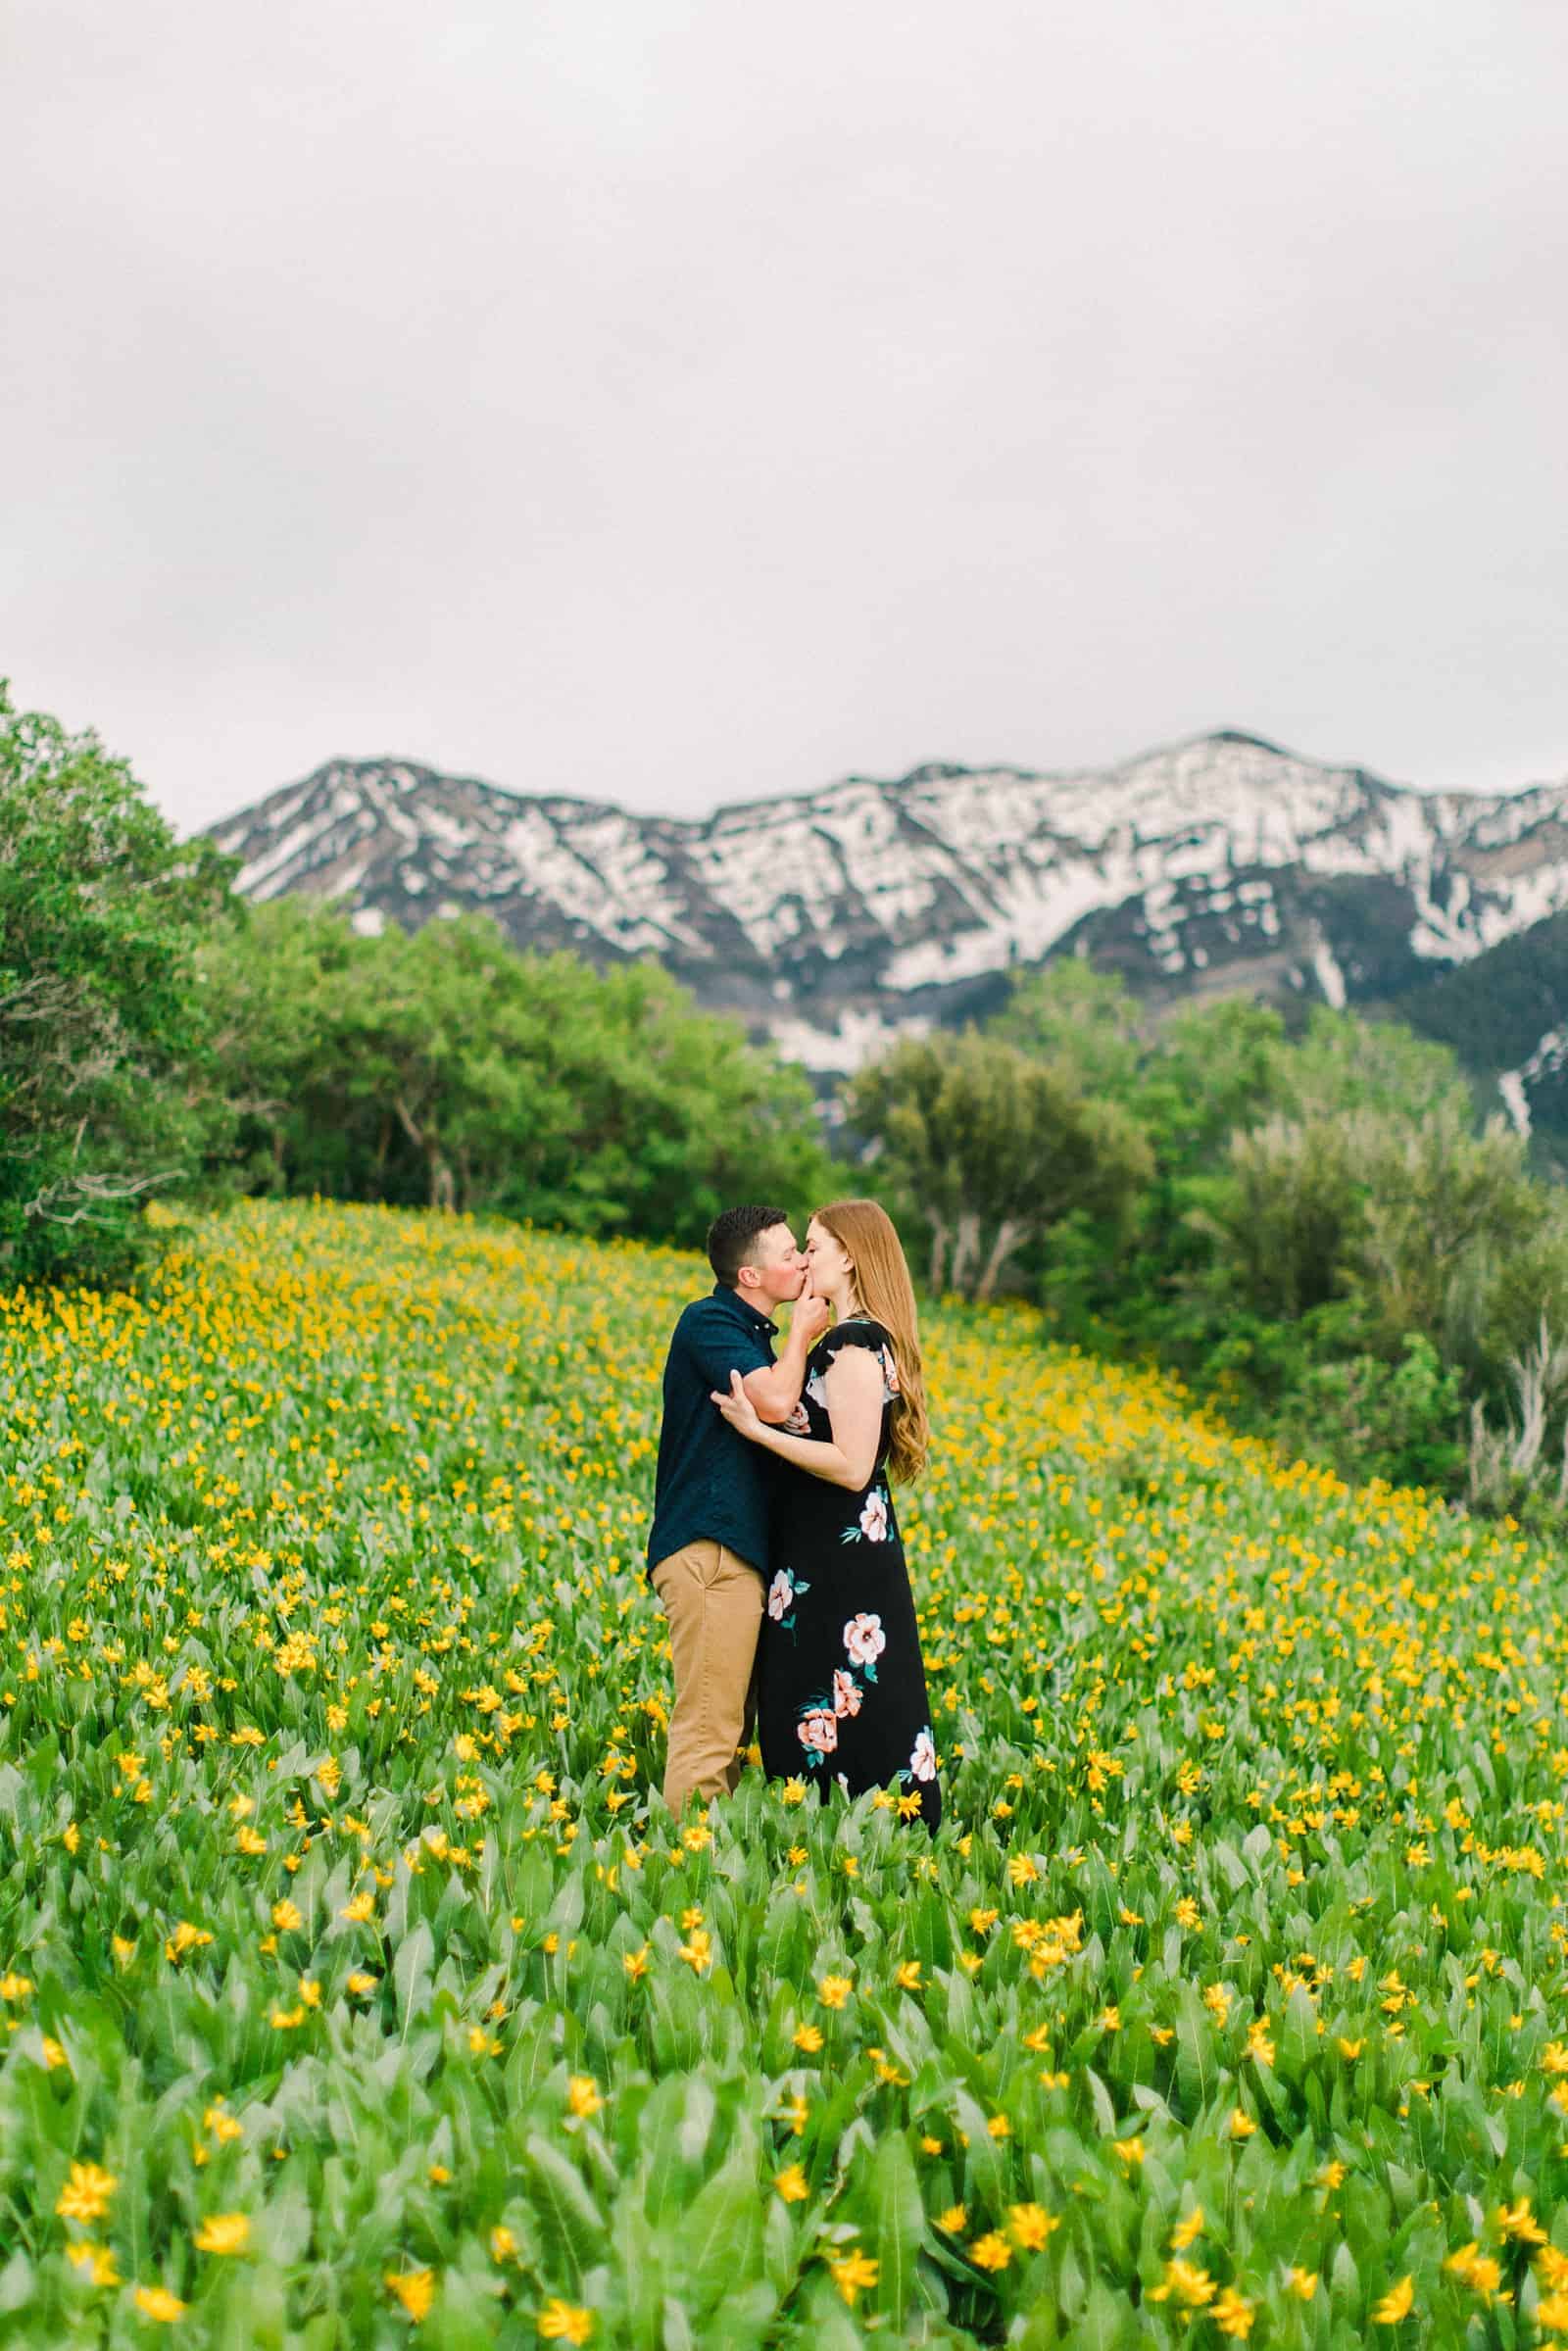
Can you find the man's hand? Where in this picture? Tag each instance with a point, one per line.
(811, 1316)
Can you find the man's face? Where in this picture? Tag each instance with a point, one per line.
(776, 1271)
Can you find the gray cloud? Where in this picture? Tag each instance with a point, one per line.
(681, 403)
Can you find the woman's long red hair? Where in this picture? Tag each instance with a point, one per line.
(868, 1238)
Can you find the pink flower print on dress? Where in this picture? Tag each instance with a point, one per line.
(875, 1516)
(923, 1760)
(846, 1693)
(782, 1594)
(890, 1373)
(819, 1730)
(799, 1422)
(865, 1641)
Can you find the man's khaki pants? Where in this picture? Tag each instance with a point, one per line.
(713, 1601)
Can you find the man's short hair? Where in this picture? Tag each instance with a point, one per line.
(733, 1237)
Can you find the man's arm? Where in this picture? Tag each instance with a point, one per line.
(775, 1388)
(855, 1415)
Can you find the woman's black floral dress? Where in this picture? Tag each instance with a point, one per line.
(841, 1690)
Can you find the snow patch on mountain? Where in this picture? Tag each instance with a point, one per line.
(838, 917)
(1329, 978)
(1516, 1101)
(1544, 1064)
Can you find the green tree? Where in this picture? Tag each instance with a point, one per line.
(1410, 1219)
(274, 975)
(104, 1100)
(1081, 1019)
(1330, 1242)
(991, 1149)
(1343, 1064)
(446, 1069)
(1186, 1084)
(1214, 1068)
(1441, 1209)
(1402, 1421)
(1281, 1223)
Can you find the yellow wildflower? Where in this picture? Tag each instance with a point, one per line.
(414, 2289)
(1395, 2304)
(1031, 2225)
(565, 2323)
(223, 2232)
(853, 2272)
(97, 2261)
(1233, 2313)
(86, 2193)
(156, 2302)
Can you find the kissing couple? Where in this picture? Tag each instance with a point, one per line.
(774, 1548)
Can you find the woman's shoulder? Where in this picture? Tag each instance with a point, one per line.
(862, 1335)
(856, 1330)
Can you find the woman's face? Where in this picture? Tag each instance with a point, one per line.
(827, 1268)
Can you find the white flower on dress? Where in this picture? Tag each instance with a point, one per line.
(819, 1730)
(875, 1516)
(890, 1374)
(846, 1693)
(864, 1640)
(923, 1760)
(799, 1422)
(781, 1592)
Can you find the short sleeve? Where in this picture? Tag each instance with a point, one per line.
(718, 1346)
(873, 1337)
(859, 1333)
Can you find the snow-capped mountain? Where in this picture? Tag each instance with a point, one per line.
(831, 918)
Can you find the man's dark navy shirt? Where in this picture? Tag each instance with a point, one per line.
(711, 1485)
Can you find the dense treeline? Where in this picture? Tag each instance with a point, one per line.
(158, 1034)
(443, 1069)
(1319, 1231)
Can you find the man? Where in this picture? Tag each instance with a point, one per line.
(708, 1547)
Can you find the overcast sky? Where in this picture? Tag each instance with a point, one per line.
(681, 401)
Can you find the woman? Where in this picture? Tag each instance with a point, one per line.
(841, 1681)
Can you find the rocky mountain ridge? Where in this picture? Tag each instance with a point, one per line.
(833, 918)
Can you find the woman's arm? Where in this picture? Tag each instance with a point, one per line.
(854, 1391)
(776, 1390)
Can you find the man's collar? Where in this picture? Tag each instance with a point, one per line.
(754, 1313)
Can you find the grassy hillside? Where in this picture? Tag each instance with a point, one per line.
(358, 1993)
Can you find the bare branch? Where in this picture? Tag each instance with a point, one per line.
(93, 1193)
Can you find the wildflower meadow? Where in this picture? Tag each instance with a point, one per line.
(358, 1988)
